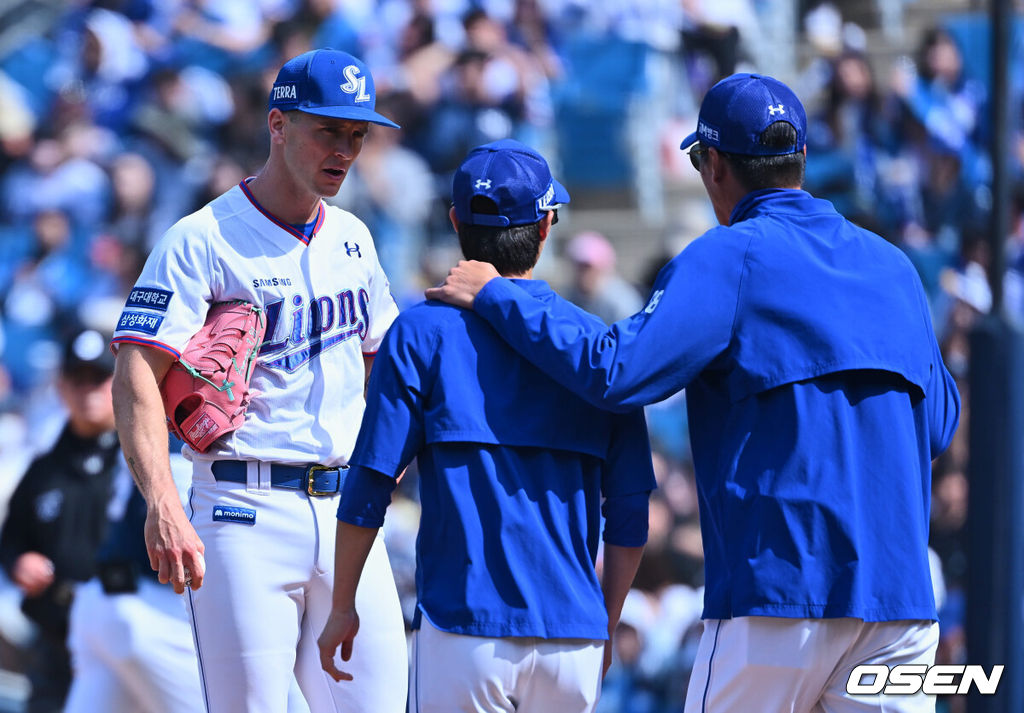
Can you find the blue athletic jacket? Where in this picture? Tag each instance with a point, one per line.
(515, 473)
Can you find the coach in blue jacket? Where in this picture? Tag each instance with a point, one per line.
(817, 400)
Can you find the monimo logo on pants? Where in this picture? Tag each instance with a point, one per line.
(909, 678)
(227, 513)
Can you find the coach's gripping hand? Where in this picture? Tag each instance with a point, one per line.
(463, 283)
(175, 550)
(340, 630)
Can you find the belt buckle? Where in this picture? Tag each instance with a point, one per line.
(311, 474)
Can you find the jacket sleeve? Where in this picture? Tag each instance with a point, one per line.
(687, 323)
(942, 400)
(391, 432)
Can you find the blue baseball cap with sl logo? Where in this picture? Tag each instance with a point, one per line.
(511, 174)
(739, 108)
(327, 82)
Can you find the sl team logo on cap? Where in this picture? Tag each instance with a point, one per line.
(355, 84)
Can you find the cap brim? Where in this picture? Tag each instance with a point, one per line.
(355, 113)
(689, 141)
(561, 195)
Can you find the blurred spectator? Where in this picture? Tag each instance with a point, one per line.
(58, 514)
(943, 99)
(493, 90)
(1013, 288)
(423, 60)
(844, 138)
(41, 287)
(715, 37)
(711, 42)
(512, 77)
(949, 525)
(134, 184)
(468, 114)
(532, 30)
(100, 69)
(56, 176)
(17, 122)
(224, 35)
(174, 126)
(595, 285)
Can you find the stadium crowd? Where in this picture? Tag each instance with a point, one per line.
(124, 115)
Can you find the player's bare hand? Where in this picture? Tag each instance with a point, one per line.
(33, 573)
(463, 283)
(340, 630)
(175, 550)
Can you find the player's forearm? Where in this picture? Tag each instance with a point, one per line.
(142, 427)
(620, 566)
(351, 548)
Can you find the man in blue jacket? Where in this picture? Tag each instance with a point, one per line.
(515, 473)
(817, 400)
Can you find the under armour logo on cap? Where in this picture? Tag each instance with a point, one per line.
(481, 183)
(773, 110)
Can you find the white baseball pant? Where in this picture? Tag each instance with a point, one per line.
(266, 596)
(754, 663)
(132, 652)
(475, 674)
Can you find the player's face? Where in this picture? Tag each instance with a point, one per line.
(320, 150)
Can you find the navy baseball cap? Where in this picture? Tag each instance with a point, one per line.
(739, 108)
(511, 174)
(327, 82)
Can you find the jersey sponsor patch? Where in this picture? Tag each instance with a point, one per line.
(228, 513)
(139, 322)
(149, 298)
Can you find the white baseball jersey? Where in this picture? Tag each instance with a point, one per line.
(327, 304)
(269, 551)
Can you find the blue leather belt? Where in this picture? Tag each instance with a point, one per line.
(313, 479)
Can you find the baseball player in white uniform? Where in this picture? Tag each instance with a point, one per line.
(255, 543)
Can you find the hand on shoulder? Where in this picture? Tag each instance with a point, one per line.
(463, 283)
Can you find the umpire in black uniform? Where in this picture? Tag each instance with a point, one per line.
(57, 516)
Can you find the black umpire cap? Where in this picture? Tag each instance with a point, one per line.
(87, 356)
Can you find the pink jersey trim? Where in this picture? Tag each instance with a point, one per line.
(321, 214)
(145, 343)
